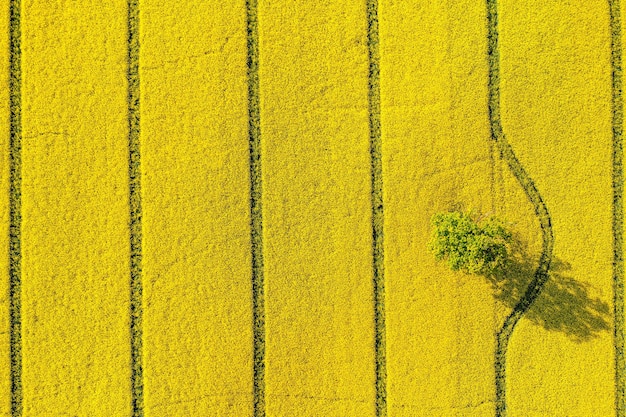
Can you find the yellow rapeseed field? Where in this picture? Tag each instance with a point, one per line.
(222, 208)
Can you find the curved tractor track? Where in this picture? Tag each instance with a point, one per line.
(541, 275)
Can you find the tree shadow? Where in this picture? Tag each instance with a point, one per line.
(564, 304)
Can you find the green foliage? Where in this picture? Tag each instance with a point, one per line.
(469, 246)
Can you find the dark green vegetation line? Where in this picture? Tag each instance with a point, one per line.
(256, 211)
(134, 168)
(618, 205)
(541, 275)
(377, 208)
(15, 205)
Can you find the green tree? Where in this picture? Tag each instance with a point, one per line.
(469, 245)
